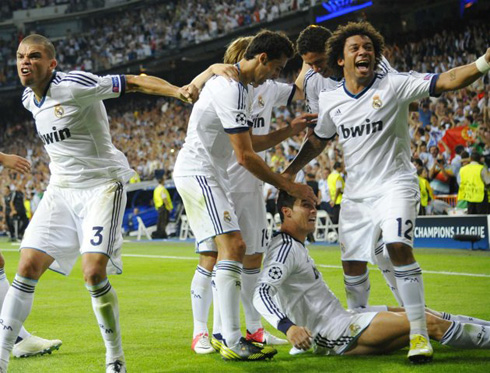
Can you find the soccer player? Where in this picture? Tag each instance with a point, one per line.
(246, 194)
(292, 296)
(82, 209)
(26, 344)
(219, 123)
(369, 112)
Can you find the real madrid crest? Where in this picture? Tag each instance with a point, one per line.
(227, 216)
(261, 101)
(59, 111)
(377, 103)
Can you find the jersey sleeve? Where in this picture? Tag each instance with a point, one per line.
(284, 93)
(311, 92)
(231, 106)
(88, 88)
(325, 128)
(413, 86)
(278, 265)
(385, 67)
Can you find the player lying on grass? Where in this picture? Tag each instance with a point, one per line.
(292, 296)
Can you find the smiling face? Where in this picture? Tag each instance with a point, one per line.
(318, 62)
(359, 59)
(34, 66)
(268, 69)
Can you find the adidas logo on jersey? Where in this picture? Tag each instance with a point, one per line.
(367, 128)
(55, 136)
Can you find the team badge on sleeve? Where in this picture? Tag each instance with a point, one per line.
(275, 273)
(377, 103)
(241, 119)
(227, 216)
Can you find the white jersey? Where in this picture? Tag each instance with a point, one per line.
(373, 131)
(223, 108)
(71, 120)
(304, 299)
(314, 83)
(266, 97)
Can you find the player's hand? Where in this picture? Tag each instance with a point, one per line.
(300, 337)
(303, 192)
(225, 70)
(16, 163)
(298, 124)
(189, 93)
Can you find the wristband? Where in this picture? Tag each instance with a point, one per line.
(482, 65)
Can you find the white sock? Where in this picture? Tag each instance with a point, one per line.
(411, 288)
(357, 290)
(16, 307)
(463, 335)
(4, 287)
(464, 319)
(201, 298)
(105, 306)
(228, 284)
(386, 267)
(249, 280)
(216, 314)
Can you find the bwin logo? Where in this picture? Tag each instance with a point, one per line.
(364, 129)
(55, 136)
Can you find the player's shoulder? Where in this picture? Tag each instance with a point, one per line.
(26, 95)
(75, 78)
(283, 246)
(333, 87)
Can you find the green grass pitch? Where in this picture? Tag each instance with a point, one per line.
(156, 316)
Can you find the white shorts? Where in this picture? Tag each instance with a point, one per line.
(340, 341)
(250, 209)
(362, 221)
(71, 221)
(208, 207)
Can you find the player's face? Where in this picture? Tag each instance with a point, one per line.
(33, 65)
(268, 69)
(304, 215)
(318, 62)
(359, 59)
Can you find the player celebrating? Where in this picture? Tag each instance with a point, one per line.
(219, 123)
(369, 112)
(82, 209)
(292, 296)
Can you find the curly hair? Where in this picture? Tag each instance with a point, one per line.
(236, 49)
(312, 39)
(275, 44)
(335, 44)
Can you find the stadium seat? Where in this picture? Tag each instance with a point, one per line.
(142, 229)
(270, 224)
(323, 225)
(185, 229)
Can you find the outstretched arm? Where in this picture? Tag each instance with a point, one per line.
(462, 76)
(15, 162)
(152, 85)
(311, 148)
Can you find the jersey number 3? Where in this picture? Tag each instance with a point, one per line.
(408, 231)
(97, 240)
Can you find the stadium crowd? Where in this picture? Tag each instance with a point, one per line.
(161, 124)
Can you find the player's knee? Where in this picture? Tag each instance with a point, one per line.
(94, 273)
(252, 261)
(400, 253)
(29, 269)
(354, 268)
(2, 261)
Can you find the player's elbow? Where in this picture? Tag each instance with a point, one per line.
(245, 159)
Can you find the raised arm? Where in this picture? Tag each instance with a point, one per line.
(298, 124)
(248, 158)
(300, 83)
(152, 85)
(311, 148)
(462, 76)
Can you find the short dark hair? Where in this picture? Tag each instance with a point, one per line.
(274, 43)
(37, 39)
(312, 39)
(284, 200)
(418, 161)
(336, 43)
(337, 165)
(459, 149)
(475, 156)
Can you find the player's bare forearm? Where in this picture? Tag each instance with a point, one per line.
(300, 83)
(459, 77)
(151, 85)
(15, 162)
(310, 149)
(225, 70)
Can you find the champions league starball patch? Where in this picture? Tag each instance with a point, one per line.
(377, 103)
(275, 273)
(241, 119)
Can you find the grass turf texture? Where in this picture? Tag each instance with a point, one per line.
(156, 316)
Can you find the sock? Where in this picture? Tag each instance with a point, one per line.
(463, 335)
(464, 319)
(357, 290)
(4, 287)
(411, 288)
(216, 315)
(228, 284)
(16, 307)
(201, 298)
(105, 306)
(386, 267)
(252, 317)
